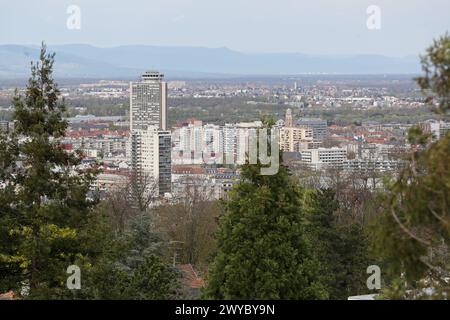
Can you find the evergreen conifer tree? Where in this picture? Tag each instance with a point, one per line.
(43, 197)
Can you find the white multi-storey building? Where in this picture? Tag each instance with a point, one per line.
(245, 131)
(324, 157)
(213, 138)
(437, 128)
(196, 143)
(229, 142)
(151, 157)
(372, 165)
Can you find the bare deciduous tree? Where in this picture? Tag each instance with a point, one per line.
(130, 198)
(192, 222)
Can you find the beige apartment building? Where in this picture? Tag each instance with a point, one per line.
(294, 139)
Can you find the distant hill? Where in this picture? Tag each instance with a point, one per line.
(85, 61)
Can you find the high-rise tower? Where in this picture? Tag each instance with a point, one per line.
(148, 101)
(150, 141)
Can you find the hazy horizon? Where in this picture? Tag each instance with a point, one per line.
(38, 45)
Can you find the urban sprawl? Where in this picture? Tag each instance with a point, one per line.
(143, 144)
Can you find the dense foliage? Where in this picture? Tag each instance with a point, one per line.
(262, 251)
(413, 232)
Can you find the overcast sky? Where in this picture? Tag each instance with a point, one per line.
(306, 26)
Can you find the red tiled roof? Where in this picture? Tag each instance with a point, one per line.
(7, 296)
(95, 133)
(188, 169)
(190, 277)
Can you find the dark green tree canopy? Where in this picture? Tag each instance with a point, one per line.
(44, 200)
(262, 253)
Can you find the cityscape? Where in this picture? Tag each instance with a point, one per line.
(192, 148)
(197, 173)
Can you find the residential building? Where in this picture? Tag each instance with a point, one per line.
(151, 158)
(319, 127)
(324, 157)
(245, 132)
(294, 139)
(4, 126)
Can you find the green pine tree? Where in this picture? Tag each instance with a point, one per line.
(341, 248)
(262, 252)
(133, 264)
(43, 203)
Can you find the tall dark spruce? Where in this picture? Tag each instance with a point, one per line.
(43, 197)
(262, 249)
